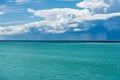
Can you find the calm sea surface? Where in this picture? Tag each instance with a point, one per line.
(59, 61)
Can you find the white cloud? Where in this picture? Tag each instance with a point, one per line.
(42, 26)
(60, 14)
(1, 13)
(93, 4)
(60, 20)
(67, 0)
(22, 0)
(98, 17)
(68, 15)
(77, 30)
(10, 23)
(9, 9)
(56, 21)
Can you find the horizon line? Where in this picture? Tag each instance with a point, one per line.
(114, 41)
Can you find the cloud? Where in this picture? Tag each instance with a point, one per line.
(56, 21)
(1, 13)
(11, 23)
(60, 14)
(93, 5)
(61, 20)
(22, 1)
(114, 6)
(77, 30)
(4, 9)
(19, 1)
(98, 17)
(70, 15)
(67, 0)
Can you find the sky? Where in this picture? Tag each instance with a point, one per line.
(59, 19)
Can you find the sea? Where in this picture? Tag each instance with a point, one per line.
(59, 60)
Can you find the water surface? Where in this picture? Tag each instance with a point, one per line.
(59, 61)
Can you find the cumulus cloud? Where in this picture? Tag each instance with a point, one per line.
(93, 4)
(56, 21)
(60, 14)
(68, 15)
(60, 20)
(98, 17)
(41, 26)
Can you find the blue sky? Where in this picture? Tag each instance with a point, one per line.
(59, 20)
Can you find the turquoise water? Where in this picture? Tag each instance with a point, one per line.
(59, 61)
